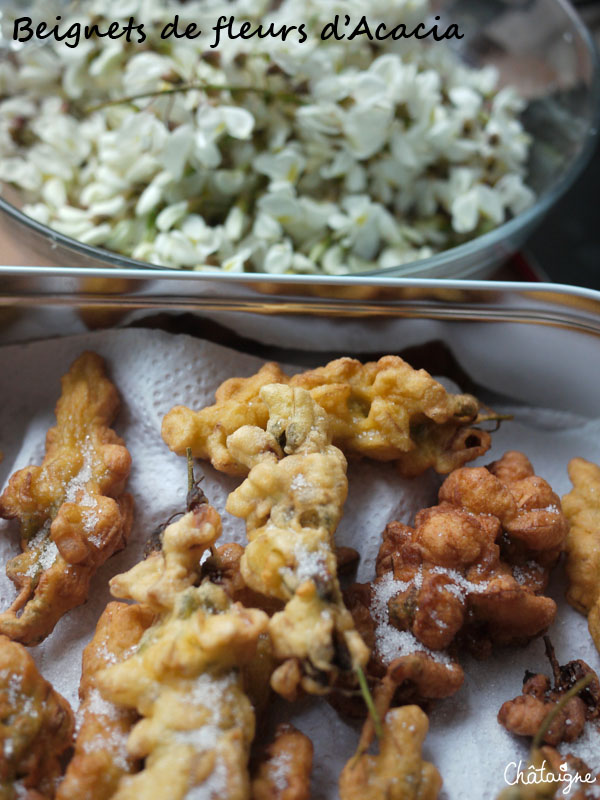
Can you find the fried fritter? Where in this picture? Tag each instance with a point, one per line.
(223, 567)
(399, 665)
(185, 679)
(197, 723)
(206, 432)
(528, 510)
(477, 561)
(470, 571)
(36, 726)
(292, 507)
(72, 511)
(582, 508)
(525, 714)
(101, 758)
(284, 773)
(165, 574)
(383, 410)
(556, 774)
(398, 772)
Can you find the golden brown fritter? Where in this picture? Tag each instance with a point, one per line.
(284, 772)
(525, 714)
(185, 678)
(197, 722)
(292, 507)
(528, 510)
(36, 726)
(400, 668)
(582, 508)
(557, 774)
(383, 410)
(477, 561)
(223, 567)
(100, 758)
(159, 580)
(206, 432)
(398, 772)
(72, 511)
(470, 571)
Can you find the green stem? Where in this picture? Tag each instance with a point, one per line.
(551, 716)
(493, 418)
(190, 468)
(288, 97)
(368, 698)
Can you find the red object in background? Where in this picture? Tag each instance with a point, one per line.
(521, 267)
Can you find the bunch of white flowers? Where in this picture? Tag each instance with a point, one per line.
(262, 155)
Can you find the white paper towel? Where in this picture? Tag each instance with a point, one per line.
(155, 371)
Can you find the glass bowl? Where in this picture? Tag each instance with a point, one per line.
(540, 46)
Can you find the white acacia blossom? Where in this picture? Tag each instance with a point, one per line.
(261, 155)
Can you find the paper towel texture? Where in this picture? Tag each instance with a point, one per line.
(155, 371)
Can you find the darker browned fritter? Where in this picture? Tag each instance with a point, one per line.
(72, 509)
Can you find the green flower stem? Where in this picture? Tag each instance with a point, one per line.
(368, 698)
(267, 94)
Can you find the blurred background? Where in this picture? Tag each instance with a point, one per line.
(567, 245)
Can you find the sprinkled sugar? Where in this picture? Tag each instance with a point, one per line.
(78, 482)
(76, 492)
(389, 641)
(98, 706)
(460, 586)
(214, 787)
(210, 693)
(48, 551)
(299, 482)
(586, 747)
(310, 563)
(522, 574)
(116, 744)
(281, 770)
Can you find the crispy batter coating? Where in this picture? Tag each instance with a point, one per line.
(185, 679)
(223, 567)
(398, 772)
(292, 507)
(525, 505)
(582, 508)
(284, 772)
(159, 579)
(525, 714)
(71, 509)
(197, 722)
(470, 571)
(556, 775)
(479, 559)
(400, 667)
(206, 432)
(100, 758)
(383, 410)
(36, 727)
